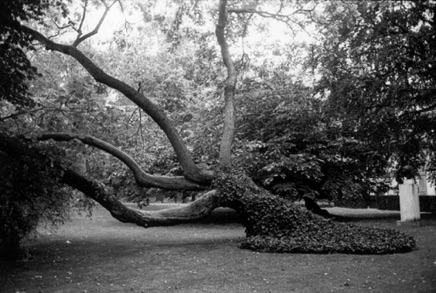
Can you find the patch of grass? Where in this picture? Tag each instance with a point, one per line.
(103, 255)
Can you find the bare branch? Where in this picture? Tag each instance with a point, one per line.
(285, 18)
(79, 29)
(61, 27)
(81, 38)
(142, 178)
(23, 112)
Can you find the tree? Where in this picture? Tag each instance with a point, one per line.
(272, 224)
(296, 150)
(378, 74)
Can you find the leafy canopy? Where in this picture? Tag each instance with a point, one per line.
(377, 63)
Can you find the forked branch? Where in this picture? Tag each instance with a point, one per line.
(80, 38)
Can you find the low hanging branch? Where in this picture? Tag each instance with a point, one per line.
(18, 148)
(142, 178)
(229, 89)
(195, 211)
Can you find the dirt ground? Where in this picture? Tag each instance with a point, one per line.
(103, 255)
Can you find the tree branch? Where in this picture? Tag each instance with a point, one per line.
(23, 112)
(96, 190)
(229, 88)
(167, 217)
(142, 178)
(191, 171)
(81, 38)
(286, 18)
(79, 30)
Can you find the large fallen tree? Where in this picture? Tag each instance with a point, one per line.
(272, 224)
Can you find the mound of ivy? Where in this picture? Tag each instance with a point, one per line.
(274, 224)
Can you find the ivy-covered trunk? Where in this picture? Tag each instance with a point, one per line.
(274, 224)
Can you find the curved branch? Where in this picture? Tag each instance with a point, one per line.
(191, 171)
(142, 178)
(167, 217)
(229, 88)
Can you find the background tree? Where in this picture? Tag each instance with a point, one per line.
(377, 67)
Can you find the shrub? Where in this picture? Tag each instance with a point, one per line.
(30, 194)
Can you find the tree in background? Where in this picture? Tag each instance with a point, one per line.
(272, 223)
(377, 65)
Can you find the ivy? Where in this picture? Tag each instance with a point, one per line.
(274, 224)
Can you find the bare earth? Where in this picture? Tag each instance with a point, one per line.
(103, 255)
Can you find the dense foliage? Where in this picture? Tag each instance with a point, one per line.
(30, 193)
(294, 148)
(377, 61)
(276, 225)
(15, 67)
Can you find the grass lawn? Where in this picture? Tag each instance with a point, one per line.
(103, 255)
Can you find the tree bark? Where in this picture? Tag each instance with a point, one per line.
(229, 89)
(195, 211)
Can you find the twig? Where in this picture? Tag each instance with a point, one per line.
(81, 38)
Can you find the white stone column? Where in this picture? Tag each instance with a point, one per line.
(409, 202)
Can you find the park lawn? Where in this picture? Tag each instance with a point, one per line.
(103, 255)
